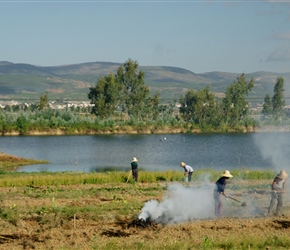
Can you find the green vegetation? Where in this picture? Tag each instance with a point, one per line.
(121, 103)
(43, 101)
(275, 107)
(24, 82)
(126, 92)
(16, 179)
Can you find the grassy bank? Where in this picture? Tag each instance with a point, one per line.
(15, 179)
(9, 178)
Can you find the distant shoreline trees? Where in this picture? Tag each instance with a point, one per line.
(125, 92)
(122, 104)
(274, 108)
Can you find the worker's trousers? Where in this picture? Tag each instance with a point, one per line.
(218, 204)
(276, 198)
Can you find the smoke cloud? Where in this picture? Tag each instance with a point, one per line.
(181, 203)
(274, 147)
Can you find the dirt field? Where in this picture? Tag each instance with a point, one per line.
(242, 226)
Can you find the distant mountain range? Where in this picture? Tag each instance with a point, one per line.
(26, 81)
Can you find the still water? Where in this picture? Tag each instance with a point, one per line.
(154, 152)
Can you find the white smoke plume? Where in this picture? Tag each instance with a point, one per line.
(274, 147)
(181, 203)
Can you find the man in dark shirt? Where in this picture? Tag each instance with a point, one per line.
(219, 191)
(134, 167)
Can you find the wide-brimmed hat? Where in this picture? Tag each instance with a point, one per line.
(134, 159)
(182, 164)
(282, 174)
(226, 173)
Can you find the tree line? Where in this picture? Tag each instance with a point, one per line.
(121, 100)
(125, 93)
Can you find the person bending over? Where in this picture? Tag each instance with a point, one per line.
(188, 170)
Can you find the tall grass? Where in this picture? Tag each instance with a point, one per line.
(14, 179)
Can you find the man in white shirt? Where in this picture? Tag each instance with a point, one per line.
(188, 170)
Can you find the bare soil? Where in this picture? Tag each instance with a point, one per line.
(239, 224)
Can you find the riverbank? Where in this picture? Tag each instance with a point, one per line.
(132, 131)
(151, 130)
(11, 163)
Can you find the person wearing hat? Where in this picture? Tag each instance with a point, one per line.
(134, 167)
(219, 191)
(278, 189)
(188, 170)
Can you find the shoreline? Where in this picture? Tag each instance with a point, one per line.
(132, 131)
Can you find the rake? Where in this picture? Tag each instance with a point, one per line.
(243, 204)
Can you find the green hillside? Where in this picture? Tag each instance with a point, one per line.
(25, 81)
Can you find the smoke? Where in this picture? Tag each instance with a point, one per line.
(275, 148)
(181, 203)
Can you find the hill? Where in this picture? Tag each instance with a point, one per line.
(26, 81)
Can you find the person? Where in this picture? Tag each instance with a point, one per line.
(188, 170)
(134, 167)
(219, 191)
(278, 189)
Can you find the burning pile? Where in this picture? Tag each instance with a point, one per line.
(178, 205)
(141, 222)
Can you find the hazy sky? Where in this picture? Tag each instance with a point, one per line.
(201, 36)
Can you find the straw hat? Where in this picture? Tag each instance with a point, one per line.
(182, 164)
(226, 173)
(282, 174)
(134, 159)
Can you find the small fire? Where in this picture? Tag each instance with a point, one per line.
(141, 222)
(141, 218)
(179, 204)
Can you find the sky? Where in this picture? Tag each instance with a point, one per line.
(200, 36)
